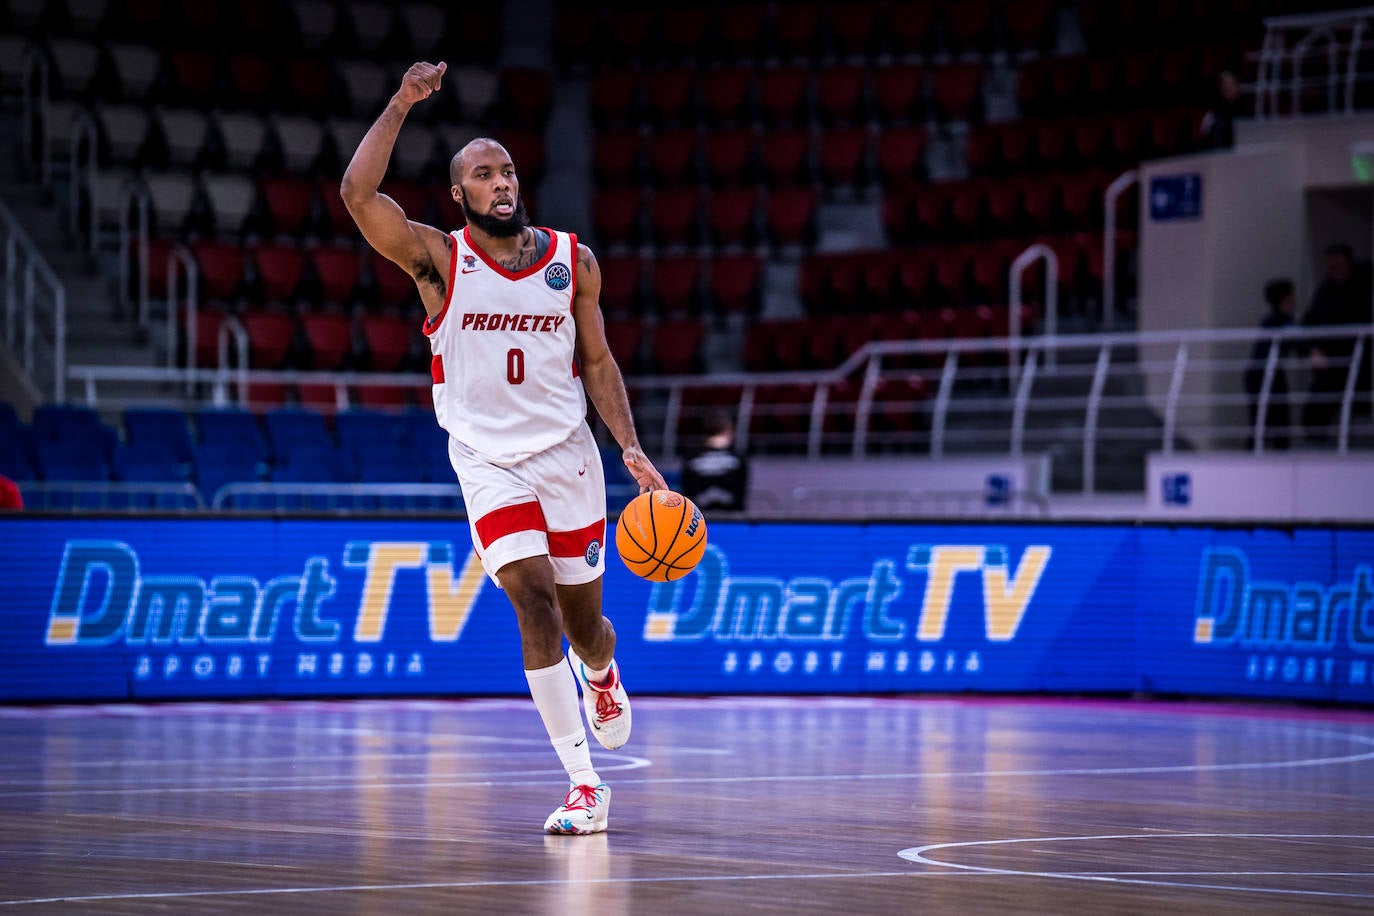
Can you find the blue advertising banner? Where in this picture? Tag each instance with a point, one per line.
(111, 608)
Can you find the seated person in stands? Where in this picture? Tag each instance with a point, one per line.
(717, 477)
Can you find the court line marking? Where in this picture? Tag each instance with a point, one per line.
(439, 885)
(918, 855)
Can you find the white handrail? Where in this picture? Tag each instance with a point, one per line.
(942, 398)
(1109, 198)
(864, 408)
(180, 255)
(1300, 51)
(23, 259)
(1104, 358)
(1034, 252)
(819, 399)
(1271, 365)
(746, 410)
(1348, 397)
(1022, 403)
(81, 176)
(1171, 400)
(233, 329)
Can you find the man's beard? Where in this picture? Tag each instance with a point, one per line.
(495, 226)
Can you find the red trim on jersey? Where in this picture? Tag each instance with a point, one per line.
(572, 303)
(432, 325)
(515, 275)
(436, 369)
(498, 523)
(574, 543)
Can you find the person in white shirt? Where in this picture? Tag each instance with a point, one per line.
(514, 322)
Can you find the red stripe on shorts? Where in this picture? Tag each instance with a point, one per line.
(574, 543)
(506, 520)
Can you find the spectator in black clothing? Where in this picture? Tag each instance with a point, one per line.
(1218, 126)
(1281, 298)
(717, 477)
(1342, 298)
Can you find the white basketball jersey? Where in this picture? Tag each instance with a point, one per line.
(505, 380)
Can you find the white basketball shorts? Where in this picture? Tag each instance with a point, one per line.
(553, 503)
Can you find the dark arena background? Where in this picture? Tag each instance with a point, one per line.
(1044, 329)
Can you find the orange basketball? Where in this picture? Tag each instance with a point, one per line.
(661, 536)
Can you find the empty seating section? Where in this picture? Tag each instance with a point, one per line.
(726, 140)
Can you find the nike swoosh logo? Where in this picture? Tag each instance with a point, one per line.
(580, 743)
(473, 271)
(581, 472)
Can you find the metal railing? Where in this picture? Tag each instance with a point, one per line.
(35, 309)
(85, 495)
(1327, 44)
(1102, 394)
(342, 497)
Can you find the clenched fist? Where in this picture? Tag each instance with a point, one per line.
(421, 81)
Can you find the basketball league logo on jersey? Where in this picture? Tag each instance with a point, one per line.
(593, 552)
(558, 277)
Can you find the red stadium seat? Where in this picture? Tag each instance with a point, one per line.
(289, 202)
(340, 223)
(1039, 200)
(1051, 140)
(792, 216)
(897, 92)
(674, 215)
(670, 96)
(1090, 141)
(740, 33)
(901, 156)
(856, 28)
(676, 345)
(878, 279)
(677, 284)
(620, 284)
(840, 95)
(309, 85)
(782, 95)
(912, 26)
(628, 33)
(842, 156)
(616, 215)
(615, 157)
(220, 266)
(796, 30)
(786, 157)
(329, 336)
(969, 23)
(684, 31)
(394, 286)
(527, 94)
(822, 347)
(280, 268)
(781, 414)
(208, 324)
(913, 278)
(967, 201)
(725, 94)
(613, 95)
(251, 80)
(1030, 24)
(1003, 206)
(929, 212)
(412, 197)
(732, 216)
(265, 396)
(338, 270)
(384, 396)
(951, 272)
(269, 337)
(193, 76)
(672, 156)
(730, 157)
(624, 337)
(322, 399)
(735, 284)
(388, 341)
(955, 88)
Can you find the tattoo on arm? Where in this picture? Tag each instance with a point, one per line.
(426, 272)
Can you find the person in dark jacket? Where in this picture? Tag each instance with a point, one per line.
(717, 477)
(1342, 298)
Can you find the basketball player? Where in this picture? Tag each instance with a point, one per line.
(514, 321)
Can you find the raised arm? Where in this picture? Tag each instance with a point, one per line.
(601, 376)
(420, 250)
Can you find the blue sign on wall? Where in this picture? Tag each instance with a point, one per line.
(149, 608)
(1176, 197)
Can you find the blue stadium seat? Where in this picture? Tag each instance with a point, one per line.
(144, 462)
(16, 453)
(292, 428)
(66, 460)
(159, 429)
(216, 466)
(65, 423)
(230, 428)
(313, 465)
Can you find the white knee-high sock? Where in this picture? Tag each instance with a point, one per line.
(554, 690)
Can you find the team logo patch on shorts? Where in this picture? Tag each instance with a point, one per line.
(593, 552)
(558, 277)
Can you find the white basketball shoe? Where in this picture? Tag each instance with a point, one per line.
(608, 707)
(584, 810)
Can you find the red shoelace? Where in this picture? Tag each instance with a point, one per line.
(606, 706)
(580, 797)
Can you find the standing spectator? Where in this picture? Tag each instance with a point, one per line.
(11, 500)
(1342, 298)
(1218, 128)
(717, 477)
(1281, 299)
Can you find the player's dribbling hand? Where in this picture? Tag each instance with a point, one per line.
(643, 470)
(421, 81)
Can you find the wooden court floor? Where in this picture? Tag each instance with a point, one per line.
(721, 806)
